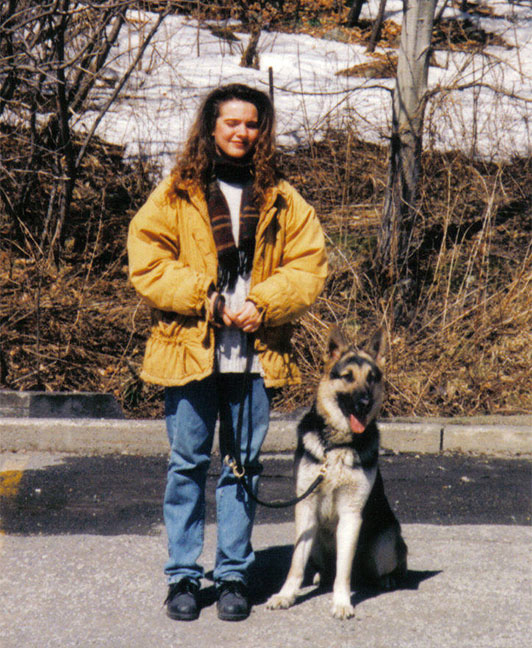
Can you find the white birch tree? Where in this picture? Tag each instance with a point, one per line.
(409, 99)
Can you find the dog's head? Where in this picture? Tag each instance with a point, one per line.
(350, 392)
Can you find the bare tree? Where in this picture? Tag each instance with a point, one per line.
(409, 99)
(52, 55)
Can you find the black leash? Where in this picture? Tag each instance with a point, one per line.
(240, 474)
(235, 462)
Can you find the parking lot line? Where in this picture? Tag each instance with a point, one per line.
(11, 473)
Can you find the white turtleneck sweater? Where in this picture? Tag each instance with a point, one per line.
(231, 343)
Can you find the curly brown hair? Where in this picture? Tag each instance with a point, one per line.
(195, 163)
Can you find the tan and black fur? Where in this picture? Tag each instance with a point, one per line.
(345, 531)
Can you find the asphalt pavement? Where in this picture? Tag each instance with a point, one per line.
(82, 544)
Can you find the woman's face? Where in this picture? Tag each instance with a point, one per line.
(237, 128)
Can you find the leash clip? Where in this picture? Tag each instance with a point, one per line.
(229, 461)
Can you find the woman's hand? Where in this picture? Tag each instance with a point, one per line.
(248, 318)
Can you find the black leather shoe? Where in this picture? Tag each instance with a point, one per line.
(182, 600)
(233, 603)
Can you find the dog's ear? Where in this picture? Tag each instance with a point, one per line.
(378, 348)
(336, 344)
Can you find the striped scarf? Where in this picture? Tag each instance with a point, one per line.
(233, 260)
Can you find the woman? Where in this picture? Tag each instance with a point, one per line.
(228, 255)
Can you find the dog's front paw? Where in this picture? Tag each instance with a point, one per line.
(342, 609)
(280, 602)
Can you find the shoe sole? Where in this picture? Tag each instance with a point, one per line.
(232, 617)
(182, 617)
(224, 617)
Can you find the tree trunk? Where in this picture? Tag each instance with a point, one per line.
(250, 56)
(354, 13)
(400, 204)
(377, 27)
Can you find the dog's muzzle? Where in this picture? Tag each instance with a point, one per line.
(356, 407)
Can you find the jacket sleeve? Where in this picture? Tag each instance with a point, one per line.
(295, 284)
(155, 268)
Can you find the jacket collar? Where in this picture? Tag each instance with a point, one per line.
(197, 198)
(271, 197)
(267, 210)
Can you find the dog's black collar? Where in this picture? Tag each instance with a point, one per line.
(327, 445)
(366, 450)
(364, 445)
(367, 459)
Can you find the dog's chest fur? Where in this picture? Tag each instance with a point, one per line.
(350, 467)
(346, 484)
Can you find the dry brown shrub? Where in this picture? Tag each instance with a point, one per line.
(464, 35)
(467, 346)
(384, 66)
(74, 327)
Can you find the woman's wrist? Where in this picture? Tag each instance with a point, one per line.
(217, 307)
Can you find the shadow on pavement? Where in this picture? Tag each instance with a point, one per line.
(272, 565)
(106, 495)
(123, 494)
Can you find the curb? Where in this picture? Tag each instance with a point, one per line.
(59, 405)
(495, 436)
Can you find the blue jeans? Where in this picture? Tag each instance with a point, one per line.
(191, 412)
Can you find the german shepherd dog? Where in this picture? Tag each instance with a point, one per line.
(346, 532)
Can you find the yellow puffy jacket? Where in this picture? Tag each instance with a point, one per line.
(173, 262)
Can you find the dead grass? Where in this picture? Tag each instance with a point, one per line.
(328, 19)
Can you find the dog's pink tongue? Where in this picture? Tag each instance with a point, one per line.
(356, 425)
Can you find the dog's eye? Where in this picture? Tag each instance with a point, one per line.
(347, 376)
